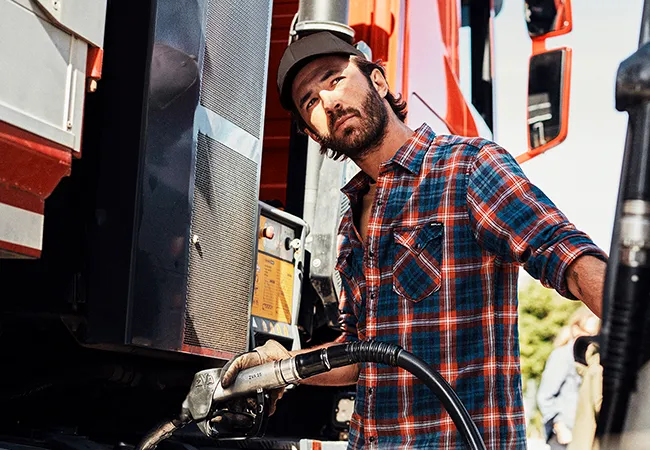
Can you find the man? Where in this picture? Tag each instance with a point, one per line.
(431, 246)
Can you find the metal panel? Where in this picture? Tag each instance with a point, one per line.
(230, 135)
(85, 18)
(44, 90)
(21, 227)
(235, 64)
(220, 279)
(165, 183)
(327, 207)
(285, 226)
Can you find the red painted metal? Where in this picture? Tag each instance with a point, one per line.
(94, 63)
(377, 23)
(30, 169)
(30, 163)
(449, 27)
(10, 250)
(19, 198)
(277, 125)
(459, 117)
(206, 352)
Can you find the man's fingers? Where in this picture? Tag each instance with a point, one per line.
(227, 371)
(233, 420)
(237, 364)
(274, 396)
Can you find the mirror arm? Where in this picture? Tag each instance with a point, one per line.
(539, 45)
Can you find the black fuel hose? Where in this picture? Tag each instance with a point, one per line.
(159, 433)
(313, 363)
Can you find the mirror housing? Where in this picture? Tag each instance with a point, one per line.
(548, 18)
(549, 79)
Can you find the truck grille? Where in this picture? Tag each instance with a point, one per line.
(234, 71)
(221, 264)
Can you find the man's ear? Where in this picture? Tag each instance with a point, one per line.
(379, 82)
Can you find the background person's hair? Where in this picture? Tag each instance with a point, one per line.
(582, 320)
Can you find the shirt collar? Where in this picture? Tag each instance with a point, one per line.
(409, 156)
(358, 184)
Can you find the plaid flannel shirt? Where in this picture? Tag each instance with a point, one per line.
(452, 221)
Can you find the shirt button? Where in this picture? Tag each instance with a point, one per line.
(373, 295)
(371, 254)
(379, 203)
(371, 439)
(370, 391)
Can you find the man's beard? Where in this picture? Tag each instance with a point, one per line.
(357, 141)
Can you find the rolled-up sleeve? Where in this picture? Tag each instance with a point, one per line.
(514, 220)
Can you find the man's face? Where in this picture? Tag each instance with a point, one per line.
(344, 112)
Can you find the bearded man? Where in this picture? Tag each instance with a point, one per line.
(431, 248)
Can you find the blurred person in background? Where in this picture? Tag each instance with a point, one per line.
(590, 400)
(557, 397)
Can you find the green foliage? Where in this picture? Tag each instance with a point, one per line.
(542, 313)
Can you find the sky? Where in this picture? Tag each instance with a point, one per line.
(581, 175)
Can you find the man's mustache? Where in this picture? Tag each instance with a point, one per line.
(340, 113)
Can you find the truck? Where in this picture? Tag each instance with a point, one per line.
(160, 212)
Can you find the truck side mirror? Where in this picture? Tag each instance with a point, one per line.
(548, 100)
(548, 18)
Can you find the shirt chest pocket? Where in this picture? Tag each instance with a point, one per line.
(418, 254)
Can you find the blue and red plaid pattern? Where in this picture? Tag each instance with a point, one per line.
(453, 220)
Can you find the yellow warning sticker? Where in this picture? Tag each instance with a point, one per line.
(273, 297)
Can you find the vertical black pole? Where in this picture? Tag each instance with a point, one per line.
(627, 287)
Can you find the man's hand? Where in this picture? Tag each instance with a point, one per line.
(563, 433)
(271, 351)
(586, 280)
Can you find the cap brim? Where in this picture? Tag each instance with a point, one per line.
(301, 53)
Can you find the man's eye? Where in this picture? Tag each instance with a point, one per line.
(336, 80)
(310, 103)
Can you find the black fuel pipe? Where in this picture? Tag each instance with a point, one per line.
(626, 325)
(282, 373)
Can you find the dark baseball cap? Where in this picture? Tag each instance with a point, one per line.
(304, 50)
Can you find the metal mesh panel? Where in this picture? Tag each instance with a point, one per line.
(221, 264)
(234, 68)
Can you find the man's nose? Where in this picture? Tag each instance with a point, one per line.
(331, 101)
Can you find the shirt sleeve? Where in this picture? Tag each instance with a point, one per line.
(514, 220)
(347, 317)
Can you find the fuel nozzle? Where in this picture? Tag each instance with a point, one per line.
(224, 413)
(239, 410)
(220, 411)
